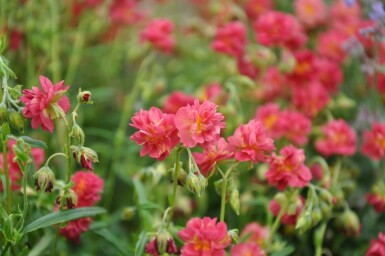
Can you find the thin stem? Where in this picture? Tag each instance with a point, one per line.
(54, 245)
(319, 237)
(336, 174)
(276, 223)
(76, 53)
(55, 41)
(7, 245)
(68, 153)
(223, 198)
(54, 155)
(7, 178)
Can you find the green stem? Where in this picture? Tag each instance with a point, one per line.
(24, 169)
(68, 153)
(7, 178)
(276, 224)
(336, 174)
(7, 245)
(55, 42)
(318, 238)
(175, 183)
(129, 101)
(76, 53)
(54, 245)
(54, 155)
(223, 199)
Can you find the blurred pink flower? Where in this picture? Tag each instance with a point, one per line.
(88, 187)
(246, 67)
(328, 73)
(255, 233)
(42, 106)
(212, 154)
(279, 29)
(159, 33)
(176, 100)
(247, 249)
(377, 200)
(125, 12)
(74, 228)
(255, 8)
(377, 247)
(204, 237)
(250, 142)
(288, 169)
(269, 115)
(338, 139)
(374, 142)
(330, 45)
(288, 218)
(230, 39)
(199, 123)
(214, 92)
(273, 85)
(311, 13)
(157, 132)
(294, 126)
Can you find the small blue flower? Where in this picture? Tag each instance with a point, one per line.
(349, 2)
(377, 11)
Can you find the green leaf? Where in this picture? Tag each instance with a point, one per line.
(141, 243)
(10, 72)
(34, 143)
(149, 206)
(2, 44)
(285, 251)
(3, 212)
(111, 238)
(42, 245)
(63, 216)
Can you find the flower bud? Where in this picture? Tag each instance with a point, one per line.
(44, 179)
(326, 196)
(16, 120)
(262, 57)
(196, 184)
(349, 223)
(84, 156)
(3, 114)
(234, 201)
(161, 243)
(234, 234)
(77, 133)
(316, 215)
(67, 199)
(304, 222)
(128, 213)
(84, 97)
(326, 209)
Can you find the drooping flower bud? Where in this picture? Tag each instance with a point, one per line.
(3, 114)
(16, 120)
(77, 133)
(196, 183)
(84, 156)
(67, 199)
(44, 179)
(160, 244)
(234, 201)
(234, 234)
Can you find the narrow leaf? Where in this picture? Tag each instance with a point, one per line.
(111, 238)
(63, 216)
(140, 244)
(34, 143)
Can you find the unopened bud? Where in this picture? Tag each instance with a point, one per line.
(326, 196)
(67, 199)
(304, 222)
(16, 120)
(349, 223)
(3, 114)
(44, 179)
(234, 201)
(196, 184)
(77, 133)
(316, 215)
(84, 156)
(234, 235)
(84, 97)
(128, 213)
(326, 209)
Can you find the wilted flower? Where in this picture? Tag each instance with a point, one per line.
(204, 237)
(251, 143)
(338, 138)
(199, 123)
(42, 106)
(288, 169)
(67, 199)
(160, 244)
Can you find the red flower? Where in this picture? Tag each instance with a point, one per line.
(159, 33)
(290, 217)
(45, 105)
(294, 126)
(374, 142)
(230, 39)
(288, 169)
(88, 187)
(247, 249)
(74, 228)
(377, 201)
(176, 100)
(377, 247)
(255, 233)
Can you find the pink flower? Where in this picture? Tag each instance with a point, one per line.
(288, 218)
(377, 247)
(45, 105)
(269, 115)
(273, 85)
(204, 237)
(311, 12)
(329, 44)
(255, 8)
(74, 228)
(374, 142)
(255, 233)
(304, 69)
(247, 249)
(289, 169)
(338, 139)
(157, 133)
(199, 123)
(377, 200)
(88, 187)
(343, 14)
(159, 33)
(251, 143)
(125, 12)
(279, 29)
(212, 154)
(311, 99)
(329, 74)
(214, 92)
(176, 100)
(294, 126)
(230, 39)
(246, 68)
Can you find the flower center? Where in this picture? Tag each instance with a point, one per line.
(201, 245)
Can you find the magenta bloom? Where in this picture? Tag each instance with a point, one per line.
(199, 123)
(251, 143)
(377, 247)
(212, 154)
(255, 8)
(269, 115)
(339, 139)
(157, 133)
(294, 126)
(42, 106)
(330, 45)
(247, 249)
(159, 33)
(230, 39)
(311, 13)
(329, 74)
(279, 29)
(374, 142)
(255, 233)
(74, 228)
(88, 187)
(152, 247)
(377, 200)
(288, 169)
(176, 100)
(204, 237)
